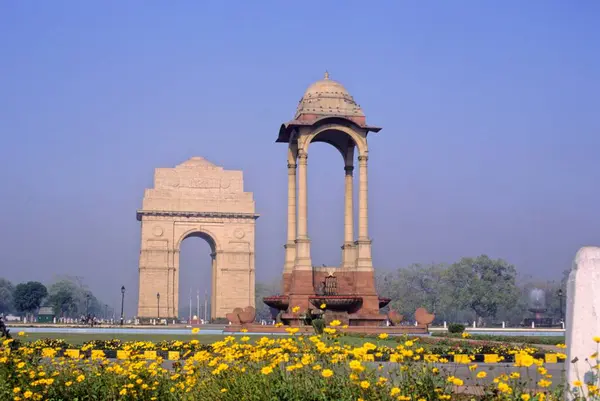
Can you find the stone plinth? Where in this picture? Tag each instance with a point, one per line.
(583, 314)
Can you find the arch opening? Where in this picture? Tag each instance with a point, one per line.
(197, 252)
(326, 191)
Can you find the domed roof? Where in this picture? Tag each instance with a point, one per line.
(327, 98)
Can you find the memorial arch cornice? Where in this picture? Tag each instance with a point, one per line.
(173, 215)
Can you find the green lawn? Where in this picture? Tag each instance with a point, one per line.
(546, 340)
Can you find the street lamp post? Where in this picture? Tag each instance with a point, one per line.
(105, 311)
(560, 298)
(158, 305)
(122, 301)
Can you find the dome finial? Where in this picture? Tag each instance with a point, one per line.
(326, 74)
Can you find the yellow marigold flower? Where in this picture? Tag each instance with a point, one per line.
(525, 397)
(327, 373)
(292, 330)
(365, 384)
(267, 370)
(577, 383)
(20, 365)
(245, 338)
(504, 388)
(597, 339)
(80, 378)
(329, 330)
(16, 390)
(323, 306)
(195, 330)
(394, 391)
(515, 375)
(295, 309)
(335, 323)
(472, 367)
(68, 384)
(457, 382)
(123, 391)
(345, 326)
(21, 333)
(409, 343)
(465, 335)
(27, 394)
(561, 346)
(544, 383)
(383, 336)
(316, 367)
(223, 390)
(481, 375)
(525, 360)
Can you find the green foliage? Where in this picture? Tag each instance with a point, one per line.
(70, 298)
(456, 328)
(483, 285)
(7, 291)
(480, 288)
(318, 325)
(414, 287)
(28, 296)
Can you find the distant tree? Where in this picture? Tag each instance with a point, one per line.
(28, 296)
(414, 287)
(63, 302)
(482, 285)
(7, 292)
(265, 289)
(71, 298)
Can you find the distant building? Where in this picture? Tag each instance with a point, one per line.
(45, 315)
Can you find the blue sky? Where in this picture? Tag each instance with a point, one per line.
(489, 111)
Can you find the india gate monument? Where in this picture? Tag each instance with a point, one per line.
(197, 198)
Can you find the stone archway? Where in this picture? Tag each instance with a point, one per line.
(196, 198)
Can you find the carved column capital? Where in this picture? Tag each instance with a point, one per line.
(349, 170)
(302, 156)
(363, 159)
(292, 168)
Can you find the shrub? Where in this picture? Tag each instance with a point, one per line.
(318, 325)
(456, 328)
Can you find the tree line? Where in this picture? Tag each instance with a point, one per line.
(68, 297)
(488, 291)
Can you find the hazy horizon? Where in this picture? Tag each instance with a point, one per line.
(489, 144)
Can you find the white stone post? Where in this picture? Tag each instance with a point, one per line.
(445, 325)
(583, 315)
(503, 325)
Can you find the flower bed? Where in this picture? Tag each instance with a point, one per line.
(288, 368)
